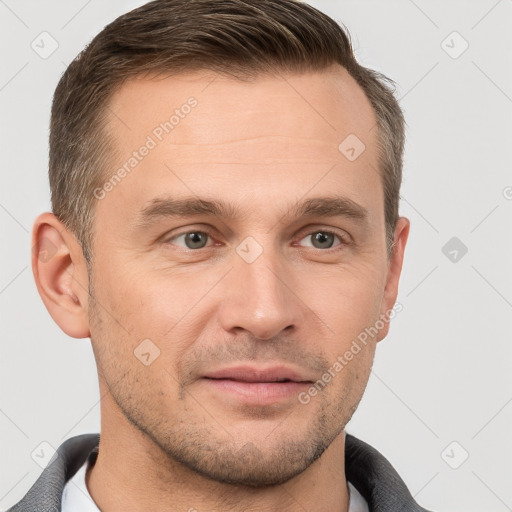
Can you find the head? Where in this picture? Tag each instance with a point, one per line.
(225, 184)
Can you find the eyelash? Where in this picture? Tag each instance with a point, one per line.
(344, 239)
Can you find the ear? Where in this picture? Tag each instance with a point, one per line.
(61, 274)
(394, 270)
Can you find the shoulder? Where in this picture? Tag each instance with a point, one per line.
(46, 493)
(376, 479)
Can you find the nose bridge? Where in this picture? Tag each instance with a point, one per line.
(259, 298)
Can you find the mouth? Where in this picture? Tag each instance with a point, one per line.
(257, 386)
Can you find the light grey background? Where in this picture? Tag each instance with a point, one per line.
(443, 375)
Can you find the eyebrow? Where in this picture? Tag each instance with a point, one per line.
(328, 206)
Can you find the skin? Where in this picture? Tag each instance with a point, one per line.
(169, 439)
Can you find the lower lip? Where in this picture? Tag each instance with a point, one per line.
(258, 392)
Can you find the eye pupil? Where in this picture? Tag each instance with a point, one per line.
(323, 240)
(195, 240)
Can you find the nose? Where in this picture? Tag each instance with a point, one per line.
(259, 297)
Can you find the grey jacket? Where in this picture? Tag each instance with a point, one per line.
(368, 470)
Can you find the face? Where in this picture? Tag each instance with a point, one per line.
(236, 260)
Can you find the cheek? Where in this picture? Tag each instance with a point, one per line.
(347, 301)
(141, 303)
(134, 362)
(168, 310)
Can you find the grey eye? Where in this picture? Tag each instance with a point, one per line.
(193, 239)
(321, 239)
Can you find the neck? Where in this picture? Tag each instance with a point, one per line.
(132, 473)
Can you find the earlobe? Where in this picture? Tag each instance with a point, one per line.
(61, 274)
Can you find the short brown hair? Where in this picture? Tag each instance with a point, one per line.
(231, 37)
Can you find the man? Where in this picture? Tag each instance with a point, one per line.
(225, 182)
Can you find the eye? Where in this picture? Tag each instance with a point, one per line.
(190, 239)
(323, 239)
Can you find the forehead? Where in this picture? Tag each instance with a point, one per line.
(317, 105)
(267, 140)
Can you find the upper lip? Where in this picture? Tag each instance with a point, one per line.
(253, 374)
